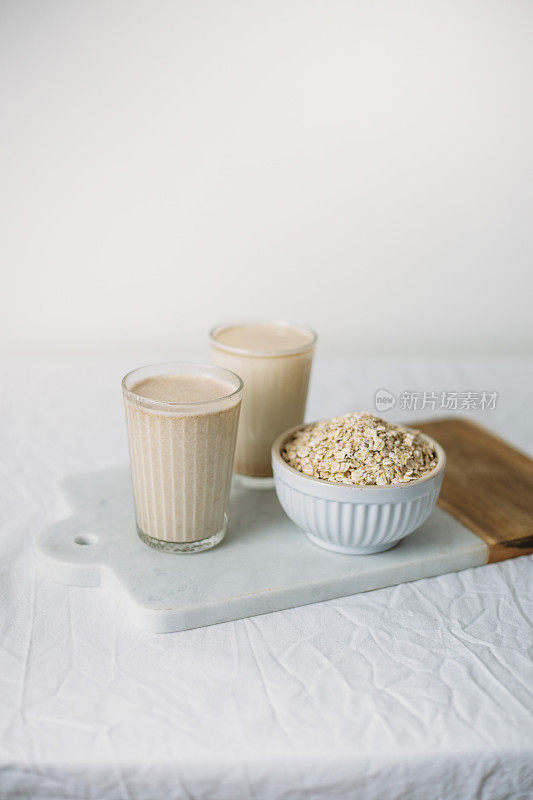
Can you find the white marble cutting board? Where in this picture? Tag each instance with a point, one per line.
(264, 564)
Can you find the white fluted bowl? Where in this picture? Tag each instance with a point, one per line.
(355, 519)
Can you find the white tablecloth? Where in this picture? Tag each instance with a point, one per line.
(421, 692)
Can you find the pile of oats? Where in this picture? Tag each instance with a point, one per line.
(361, 450)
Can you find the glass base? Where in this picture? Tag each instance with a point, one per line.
(254, 483)
(185, 547)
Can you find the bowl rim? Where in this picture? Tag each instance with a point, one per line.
(280, 461)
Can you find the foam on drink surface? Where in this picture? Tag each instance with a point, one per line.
(264, 338)
(182, 388)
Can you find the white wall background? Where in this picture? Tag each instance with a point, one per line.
(365, 166)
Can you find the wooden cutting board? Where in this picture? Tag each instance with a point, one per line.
(488, 486)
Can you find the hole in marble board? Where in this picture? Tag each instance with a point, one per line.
(85, 538)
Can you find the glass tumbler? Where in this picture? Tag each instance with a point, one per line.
(181, 454)
(275, 380)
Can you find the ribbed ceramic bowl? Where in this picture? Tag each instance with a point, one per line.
(355, 519)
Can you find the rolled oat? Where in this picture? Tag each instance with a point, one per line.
(361, 450)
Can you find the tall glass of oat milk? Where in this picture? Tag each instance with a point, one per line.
(181, 422)
(274, 361)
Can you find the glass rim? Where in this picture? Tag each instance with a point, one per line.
(165, 371)
(245, 351)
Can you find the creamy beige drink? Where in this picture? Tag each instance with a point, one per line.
(274, 361)
(182, 425)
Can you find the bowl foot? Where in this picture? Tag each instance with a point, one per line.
(354, 551)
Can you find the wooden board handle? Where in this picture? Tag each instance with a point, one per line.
(488, 486)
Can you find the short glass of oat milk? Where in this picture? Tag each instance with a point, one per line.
(274, 361)
(182, 423)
